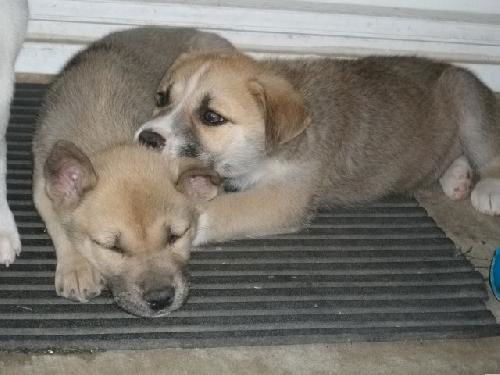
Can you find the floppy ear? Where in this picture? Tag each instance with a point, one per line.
(283, 106)
(198, 182)
(69, 174)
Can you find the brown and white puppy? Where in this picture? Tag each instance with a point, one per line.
(289, 135)
(117, 212)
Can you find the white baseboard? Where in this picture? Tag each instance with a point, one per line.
(462, 32)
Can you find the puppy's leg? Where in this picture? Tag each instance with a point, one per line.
(486, 194)
(457, 179)
(260, 211)
(10, 244)
(76, 278)
(475, 107)
(13, 24)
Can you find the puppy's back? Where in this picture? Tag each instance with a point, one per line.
(106, 92)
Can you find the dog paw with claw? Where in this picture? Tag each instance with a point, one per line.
(10, 243)
(78, 280)
(486, 196)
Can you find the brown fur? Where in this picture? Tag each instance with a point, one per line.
(301, 133)
(285, 115)
(117, 213)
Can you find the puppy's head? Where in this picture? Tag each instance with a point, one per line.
(226, 109)
(133, 216)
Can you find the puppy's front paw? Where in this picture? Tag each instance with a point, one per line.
(78, 280)
(10, 243)
(201, 232)
(486, 196)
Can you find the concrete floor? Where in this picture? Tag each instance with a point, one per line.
(429, 357)
(475, 235)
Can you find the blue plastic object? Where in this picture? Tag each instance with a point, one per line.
(495, 274)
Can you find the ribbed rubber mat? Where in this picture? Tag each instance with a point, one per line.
(383, 272)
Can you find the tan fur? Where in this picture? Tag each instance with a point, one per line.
(118, 213)
(300, 133)
(285, 115)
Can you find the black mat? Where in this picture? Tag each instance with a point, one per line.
(383, 272)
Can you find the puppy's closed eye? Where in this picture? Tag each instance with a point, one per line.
(174, 235)
(113, 246)
(172, 238)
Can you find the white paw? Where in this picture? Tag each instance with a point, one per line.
(486, 196)
(457, 180)
(78, 280)
(10, 243)
(201, 232)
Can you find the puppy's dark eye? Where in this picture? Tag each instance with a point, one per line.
(162, 98)
(212, 118)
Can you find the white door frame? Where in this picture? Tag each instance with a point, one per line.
(460, 31)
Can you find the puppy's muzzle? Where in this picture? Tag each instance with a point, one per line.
(152, 298)
(160, 299)
(151, 139)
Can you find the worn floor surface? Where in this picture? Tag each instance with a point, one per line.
(430, 357)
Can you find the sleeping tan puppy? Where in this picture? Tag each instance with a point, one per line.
(289, 135)
(118, 213)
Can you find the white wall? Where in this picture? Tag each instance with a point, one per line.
(461, 31)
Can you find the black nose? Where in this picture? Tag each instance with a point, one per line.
(160, 299)
(151, 139)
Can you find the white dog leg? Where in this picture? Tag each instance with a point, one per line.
(10, 243)
(457, 180)
(13, 24)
